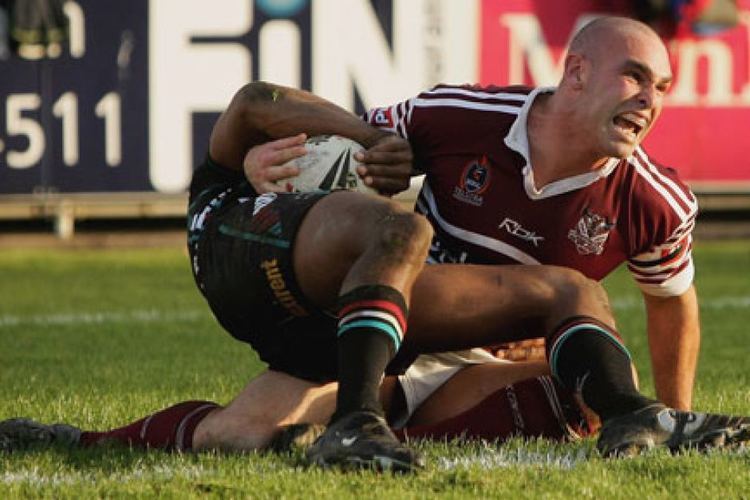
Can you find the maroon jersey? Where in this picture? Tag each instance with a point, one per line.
(480, 196)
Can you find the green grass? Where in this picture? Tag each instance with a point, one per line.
(99, 338)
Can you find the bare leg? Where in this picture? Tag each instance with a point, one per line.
(346, 243)
(453, 307)
(488, 305)
(361, 254)
(271, 400)
(347, 240)
(462, 306)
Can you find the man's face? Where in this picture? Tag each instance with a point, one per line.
(628, 77)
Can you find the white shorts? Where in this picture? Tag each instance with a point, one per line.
(430, 371)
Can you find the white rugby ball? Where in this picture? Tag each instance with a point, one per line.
(328, 165)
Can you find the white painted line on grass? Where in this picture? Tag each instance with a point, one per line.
(503, 458)
(729, 302)
(38, 478)
(155, 315)
(494, 458)
(82, 318)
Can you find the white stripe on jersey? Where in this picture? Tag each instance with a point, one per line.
(691, 203)
(409, 110)
(458, 103)
(673, 278)
(369, 313)
(676, 285)
(681, 231)
(659, 188)
(469, 236)
(656, 274)
(666, 256)
(403, 115)
(478, 94)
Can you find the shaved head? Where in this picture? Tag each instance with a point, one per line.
(616, 74)
(599, 32)
(608, 38)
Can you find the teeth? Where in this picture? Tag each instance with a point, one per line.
(626, 126)
(635, 119)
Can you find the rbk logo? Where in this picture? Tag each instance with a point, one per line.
(515, 229)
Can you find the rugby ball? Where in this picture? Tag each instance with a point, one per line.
(328, 165)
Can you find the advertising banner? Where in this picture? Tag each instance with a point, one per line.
(705, 124)
(128, 104)
(79, 122)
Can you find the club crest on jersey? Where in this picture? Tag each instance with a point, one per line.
(474, 181)
(590, 233)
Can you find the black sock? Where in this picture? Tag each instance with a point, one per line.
(587, 355)
(372, 321)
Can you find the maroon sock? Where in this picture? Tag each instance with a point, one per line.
(169, 429)
(536, 407)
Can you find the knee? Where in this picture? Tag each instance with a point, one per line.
(564, 279)
(403, 235)
(568, 282)
(578, 293)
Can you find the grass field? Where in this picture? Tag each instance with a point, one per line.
(99, 338)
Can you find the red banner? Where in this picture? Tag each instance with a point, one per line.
(704, 130)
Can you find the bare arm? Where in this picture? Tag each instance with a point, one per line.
(674, 341)
(261, 112)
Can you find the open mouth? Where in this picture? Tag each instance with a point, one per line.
(630, 124)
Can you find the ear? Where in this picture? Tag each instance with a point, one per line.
(575, 71)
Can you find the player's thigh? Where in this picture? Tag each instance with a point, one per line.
(334, 234)
(470, 386)
(456, 306)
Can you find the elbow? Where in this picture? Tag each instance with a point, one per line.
(250, 105)
(257, 92)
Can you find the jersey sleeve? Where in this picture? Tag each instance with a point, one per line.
(395, 119)
(399, 119)
(663, 265)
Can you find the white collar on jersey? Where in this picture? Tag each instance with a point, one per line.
(518, 140)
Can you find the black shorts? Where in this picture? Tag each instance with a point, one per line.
(240, 246)
(241, 250)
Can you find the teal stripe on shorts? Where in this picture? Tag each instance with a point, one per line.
(260, 238)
